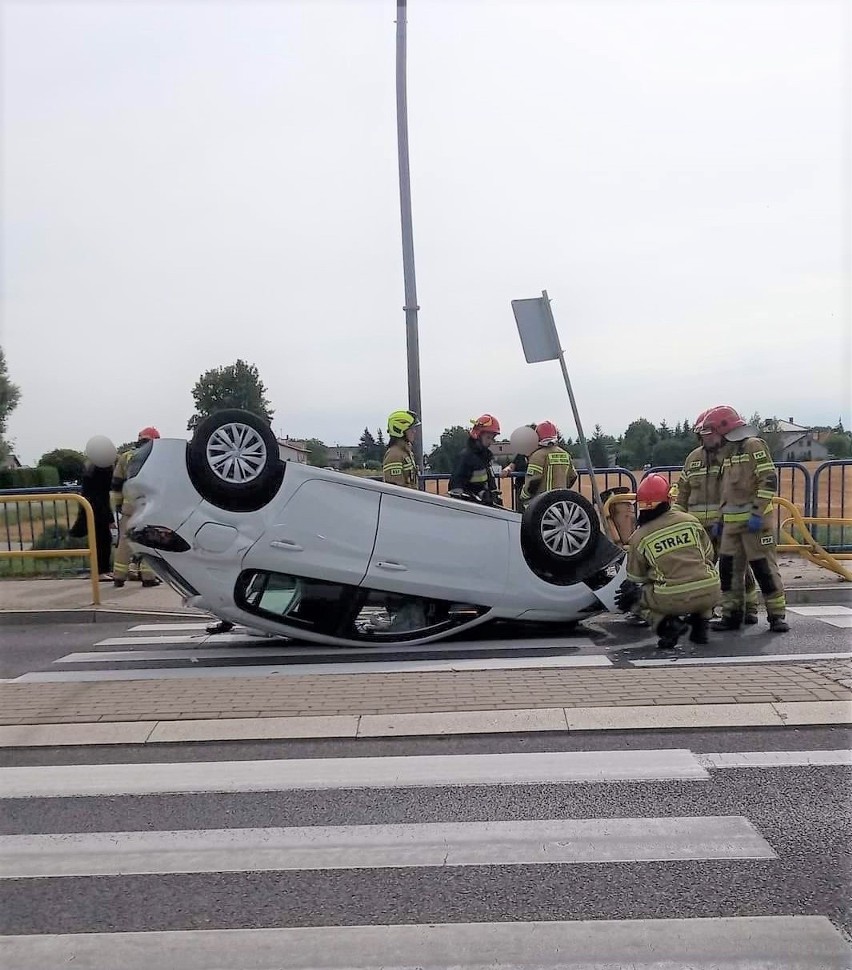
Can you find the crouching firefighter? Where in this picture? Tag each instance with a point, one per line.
(671, 570)
(749, 483)
(473, 478)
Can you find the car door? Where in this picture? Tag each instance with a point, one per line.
(326, 530)
(439, 548)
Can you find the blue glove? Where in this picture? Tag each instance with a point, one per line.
(755, 522)
(716, 530)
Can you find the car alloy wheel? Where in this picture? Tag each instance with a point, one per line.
(236, 453)
(565, 529)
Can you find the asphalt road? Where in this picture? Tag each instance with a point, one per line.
(48, 648)
(798, 816)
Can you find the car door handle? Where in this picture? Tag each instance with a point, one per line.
(395, 566)
(287, 544)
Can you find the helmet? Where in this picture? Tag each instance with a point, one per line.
(400, 421)
(673, 492)
(652, 491)
(699, 421)
(723, 419)
(485, 423)
(148, 434)
(547, 432)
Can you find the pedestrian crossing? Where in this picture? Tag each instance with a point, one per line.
(836, 616)
(639, 857)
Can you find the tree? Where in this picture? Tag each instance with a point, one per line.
(601, 448)
(235, 386)
(317, 452)
(445, 454)
(381, 445)
(367, 447)
(637, 444)
(768, 429)
(10, 395)
(839, 445)
(671, 451)
(68, 462)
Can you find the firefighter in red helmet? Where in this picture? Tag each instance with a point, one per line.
(473, 477)
(749, 483)
(123, 510)
(549, 465)
(671, 569)
(699, 491)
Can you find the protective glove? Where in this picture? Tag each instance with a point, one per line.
(755, 522)
(628, 595)
(715, 530)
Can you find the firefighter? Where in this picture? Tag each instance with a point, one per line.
(549, 466)
(399, 466)
(123, 510)
(749, 483)
(697, 492)
(671, 570)
(473, 477)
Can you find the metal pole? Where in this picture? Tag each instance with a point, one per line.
(412, 339)
(583, 443)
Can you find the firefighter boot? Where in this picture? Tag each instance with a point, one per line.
(669, 630)
(777, 624)
(729, 621)
(698, 625)
(750, 619)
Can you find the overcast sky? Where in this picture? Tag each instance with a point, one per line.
(189, 183)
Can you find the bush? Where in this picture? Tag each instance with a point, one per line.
(45, 476)
(56, 537)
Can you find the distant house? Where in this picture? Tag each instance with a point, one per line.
(343, 455)
(289, 449)
(9, 463)
(798, 443)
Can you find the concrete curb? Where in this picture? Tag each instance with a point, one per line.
(435, 724)
(838, 594)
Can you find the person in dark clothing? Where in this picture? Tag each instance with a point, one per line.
(94, 487)
(517, 468)
(473, 478)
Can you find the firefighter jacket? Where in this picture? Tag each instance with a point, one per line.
(698, 489)
(549, 467)
(116, 489)
(749, 481)
(673, 554)
(473, 474)
(399, 467)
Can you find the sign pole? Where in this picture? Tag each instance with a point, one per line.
(412, 338)
(584, 445)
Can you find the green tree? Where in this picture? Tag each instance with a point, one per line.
(601, 448)
(68, 462)
(839, 445)
(443, 457)
(768, 429)
(235, 386)
(671, 451)
(10, 395)
(317, 452)
(637, 444)
(381, 444)
(367, 446)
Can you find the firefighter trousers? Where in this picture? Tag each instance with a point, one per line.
(758, 550)
(657, 606)
(744, 585)
(123, 555)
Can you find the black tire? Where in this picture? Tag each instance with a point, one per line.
(233, 461)
(559, 528)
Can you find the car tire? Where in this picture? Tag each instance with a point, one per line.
(233, 461)
(559, 528)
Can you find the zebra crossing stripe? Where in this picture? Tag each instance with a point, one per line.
(496, 843)
(557, 767)
(722, 943)
(306, 670)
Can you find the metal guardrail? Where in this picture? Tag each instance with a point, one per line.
(829, 500)
(32, 497)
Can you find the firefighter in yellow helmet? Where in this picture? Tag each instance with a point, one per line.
(549, 466)
(399, 466)
(671, 570)
(123, 511)
(698, 492)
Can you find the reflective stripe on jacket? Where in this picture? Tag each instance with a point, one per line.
(749, 481)
(673, 553)
(549, 467)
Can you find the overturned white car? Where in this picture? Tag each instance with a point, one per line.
(313, 554)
